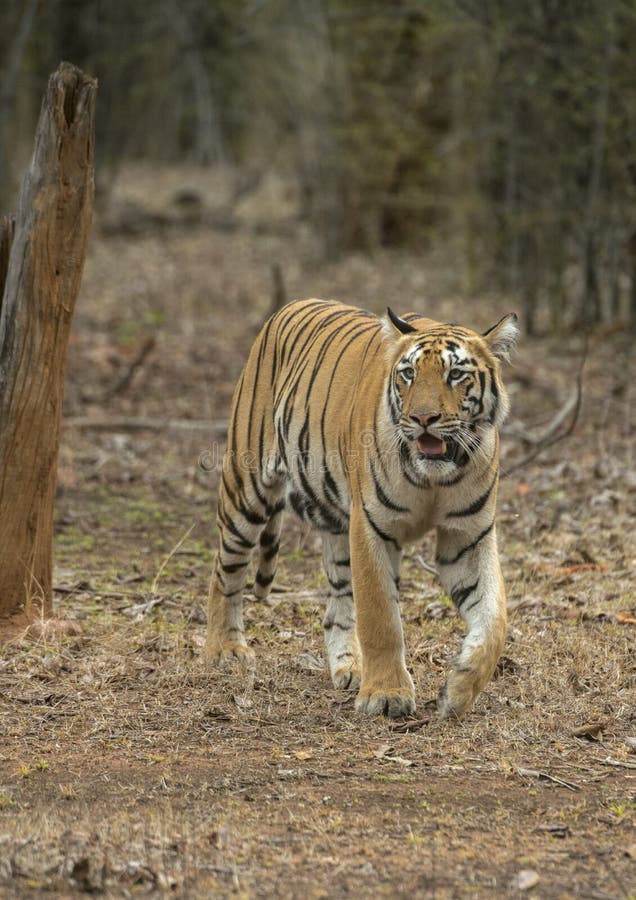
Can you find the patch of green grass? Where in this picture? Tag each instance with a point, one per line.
(143, 511)
(203, 550)
(319, 580)
(556, 495)
(6, 800)
(294, 555)
(154, 317)
(622, 808)
(74, 539)
(128, 332)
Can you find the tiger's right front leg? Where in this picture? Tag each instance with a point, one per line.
(386, 688)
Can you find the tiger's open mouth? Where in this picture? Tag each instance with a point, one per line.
(431, 447)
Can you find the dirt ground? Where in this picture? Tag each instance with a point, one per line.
(127, 768)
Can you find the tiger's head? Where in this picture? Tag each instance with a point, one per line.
(445, 393)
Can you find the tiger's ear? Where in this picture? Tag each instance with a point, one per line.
(502, 337)
(399, 323)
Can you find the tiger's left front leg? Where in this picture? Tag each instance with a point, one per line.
(387, 687)
(469, 570)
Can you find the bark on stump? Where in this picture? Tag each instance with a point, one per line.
(42, 257)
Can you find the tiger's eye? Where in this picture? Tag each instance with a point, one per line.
(454, 374)
(408, 372)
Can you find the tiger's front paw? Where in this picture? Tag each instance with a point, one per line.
(230, 655)
(396, 703)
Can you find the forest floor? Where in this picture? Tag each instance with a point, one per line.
(127, 767)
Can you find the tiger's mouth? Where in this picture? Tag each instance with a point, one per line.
(434, 448)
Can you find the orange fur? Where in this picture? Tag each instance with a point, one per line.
(374, 433)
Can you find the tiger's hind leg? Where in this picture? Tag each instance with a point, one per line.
(242, 521)
(343, 649)
(268, 553)
(225, 639)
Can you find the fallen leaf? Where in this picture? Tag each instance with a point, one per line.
(385, 752)
(568, 612)
(522, 489)
(400, 760)
(631, 851)
(382, 751)
(592, 731)
(524, 880)
(303, 754)
(625, 617)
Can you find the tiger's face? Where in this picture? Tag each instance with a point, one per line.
(445, 392)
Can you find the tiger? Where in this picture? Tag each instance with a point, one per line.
(373, 431)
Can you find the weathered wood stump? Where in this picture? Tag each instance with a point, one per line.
(42, 253)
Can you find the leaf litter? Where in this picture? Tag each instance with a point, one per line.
(149, 755)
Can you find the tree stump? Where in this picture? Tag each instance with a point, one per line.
(42, 255)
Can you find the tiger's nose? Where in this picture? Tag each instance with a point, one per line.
(425, 419)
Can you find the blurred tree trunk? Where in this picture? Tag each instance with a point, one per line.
(8, 85)
(591, 307)
(41, 259)
(208, 140)
(631, 255)
(318, 83)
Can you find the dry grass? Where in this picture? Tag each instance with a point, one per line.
(127, 768)
(130, 765)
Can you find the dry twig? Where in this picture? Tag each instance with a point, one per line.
(142, 423)
(551, 434)
(544, 776)
(610, 761)
(125, 379)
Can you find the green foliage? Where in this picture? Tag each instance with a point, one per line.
(503, 131)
